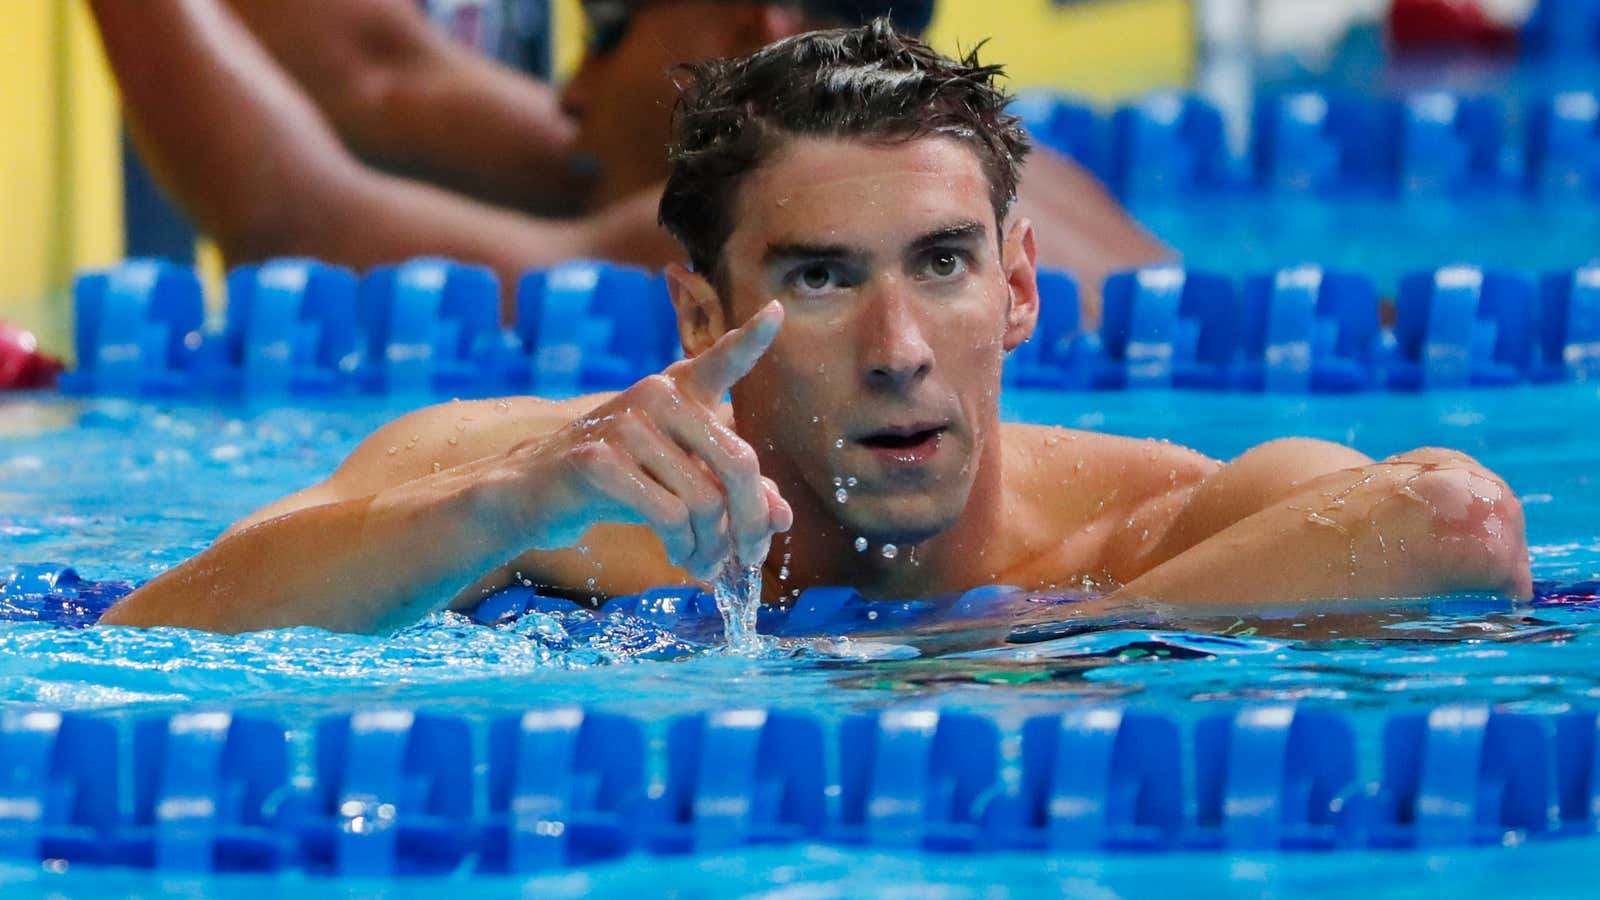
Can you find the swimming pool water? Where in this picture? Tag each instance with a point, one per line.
(126, 489)
(182, 474)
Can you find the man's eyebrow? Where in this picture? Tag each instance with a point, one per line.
(800, 250)
(962, 232)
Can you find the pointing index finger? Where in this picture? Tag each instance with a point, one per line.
(713, 372)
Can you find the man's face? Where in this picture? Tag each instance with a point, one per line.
(622, 95)
(880, 394)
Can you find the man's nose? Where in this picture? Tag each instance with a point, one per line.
(895, 351)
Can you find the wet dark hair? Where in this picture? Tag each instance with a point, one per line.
(868, 82)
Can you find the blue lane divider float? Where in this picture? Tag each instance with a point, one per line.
(395, 792)
(1166, 145)
(206, 785)
(565, 788)
(1569, 326)
(1424, 144)
(1430, 144)
(1463, 326)
(431, 327)
(1066, 126)
(1563, 28)
(594, 326)
(291, 328)
(138, 328)
(1308, 329)
(1166, 326)
(1563, 151)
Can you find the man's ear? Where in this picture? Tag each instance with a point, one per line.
(1021, 279)
(700, 320)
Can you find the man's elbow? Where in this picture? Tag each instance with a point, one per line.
(1476, 536)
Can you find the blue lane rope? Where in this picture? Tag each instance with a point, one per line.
(399, 791)
(298, 327)
(395, 791)
(1424, 145)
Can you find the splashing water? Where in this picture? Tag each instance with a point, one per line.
(737, 588)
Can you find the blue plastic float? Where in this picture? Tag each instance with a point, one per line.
(393, 791)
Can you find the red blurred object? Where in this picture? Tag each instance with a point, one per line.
(21, 363)
(1430, 24)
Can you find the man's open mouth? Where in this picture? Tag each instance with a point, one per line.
(902, 439)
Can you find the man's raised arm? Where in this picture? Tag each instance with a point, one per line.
(374, 548)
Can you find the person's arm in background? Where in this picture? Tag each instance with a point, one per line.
(251, 159)
(409, 99)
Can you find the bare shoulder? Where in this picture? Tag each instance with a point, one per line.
(1084, 473)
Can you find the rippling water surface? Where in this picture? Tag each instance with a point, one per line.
(124, 490)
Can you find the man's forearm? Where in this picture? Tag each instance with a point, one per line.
(408, 99)
(223, 128)
(365, 564)
(1417, 525)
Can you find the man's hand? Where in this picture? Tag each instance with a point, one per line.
(656, 454)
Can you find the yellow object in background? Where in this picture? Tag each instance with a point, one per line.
(60, 170)
(1106, 50)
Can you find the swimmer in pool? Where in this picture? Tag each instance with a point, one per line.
(858, 276)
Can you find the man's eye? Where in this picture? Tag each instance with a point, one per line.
(946, 264)
(816, 278)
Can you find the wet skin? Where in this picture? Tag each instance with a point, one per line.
(875, 297)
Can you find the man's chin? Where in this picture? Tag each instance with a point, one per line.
(886, 524)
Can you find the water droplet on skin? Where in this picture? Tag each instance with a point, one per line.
(841, 496)
(583, 549)
(795, 592)
(437, 467)
(590, 583)
(890, 551)
(851, 481)
(454, 442)
(838, 444)
(393, 450)
(861, 544)
(502, 405)
(837, 481)
(815, 419)
(783, 573)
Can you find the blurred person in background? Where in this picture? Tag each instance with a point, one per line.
(357, 132)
